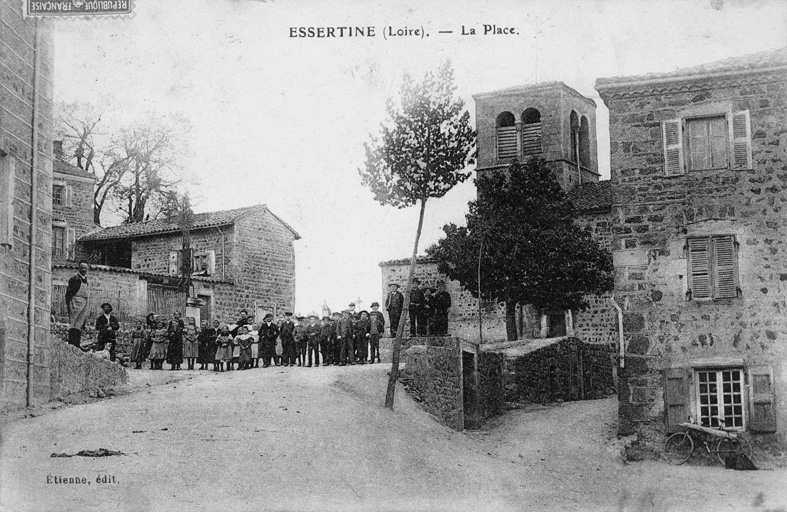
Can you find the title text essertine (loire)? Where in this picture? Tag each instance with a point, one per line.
(392, 31)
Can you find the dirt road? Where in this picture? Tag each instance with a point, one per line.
(318, 439)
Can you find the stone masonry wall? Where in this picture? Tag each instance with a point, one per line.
(600, 224)
(557, 369)
(78, 214)
(151, 254)
(265, 262)
(654, 214)
(598, 323)
(463, 315)
(72, 371)
(433, 376)
(17, 124)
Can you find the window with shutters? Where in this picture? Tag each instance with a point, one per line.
(705, 143)
(507, 145)
(712, 267)
(58, 194)
(720, 397)
(58, 242)
(531, 132)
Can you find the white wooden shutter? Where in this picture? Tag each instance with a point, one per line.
(740, 140)
(672, 131)
(71, 238)
(676, 397)
(69, 193)
(724, 267)
(211, 262)
(699, 268)
(173, 263)
(762, 416)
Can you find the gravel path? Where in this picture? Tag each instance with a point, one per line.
(319, 439)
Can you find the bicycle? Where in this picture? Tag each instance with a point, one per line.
(679, 447)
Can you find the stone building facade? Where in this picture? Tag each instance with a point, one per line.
(72, 205)
(242, 258)
(26, 113)
(699, 245)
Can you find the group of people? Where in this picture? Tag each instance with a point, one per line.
(339, 339)
(427, 310)
(348, 337)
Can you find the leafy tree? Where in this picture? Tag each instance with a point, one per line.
(531, 250)
(422, 151)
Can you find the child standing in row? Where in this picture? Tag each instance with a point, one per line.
(243, 341)
(224, 350)
(158, 351)
(190, 347)
(138, 338)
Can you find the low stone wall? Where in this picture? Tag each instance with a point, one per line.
(433, 376)
(72, 371)
(484, 391)
(557, 369)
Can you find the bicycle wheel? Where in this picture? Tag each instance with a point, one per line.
(678, 448)
(728, 446)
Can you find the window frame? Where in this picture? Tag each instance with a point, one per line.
(720, 393)
(58, 194)
(59, 251)
(687, 122)
(713, 268)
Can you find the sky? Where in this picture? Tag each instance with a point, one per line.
(282, 120)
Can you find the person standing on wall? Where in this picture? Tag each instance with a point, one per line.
(393, 304)
(76, 303)
(106, 326)
(441, 302)
(415, 309)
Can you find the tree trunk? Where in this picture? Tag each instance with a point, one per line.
(397, 345)
(511, 333)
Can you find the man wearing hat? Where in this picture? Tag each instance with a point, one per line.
(288, 340)
(376, 329)
(106, 325)
(268, 333)
(415, 310)
(76, 303)
(300, 339)
(442, 303)
(344, 336)
(393, 304)
(313, 339)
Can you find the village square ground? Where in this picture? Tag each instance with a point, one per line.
(319, 439)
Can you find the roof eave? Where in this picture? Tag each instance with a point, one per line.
(610, 84)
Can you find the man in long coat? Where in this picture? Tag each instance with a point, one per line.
(268, 332)
(394, 303)
(106, 326)
(76, 302)
(442, 303)
(289, 354)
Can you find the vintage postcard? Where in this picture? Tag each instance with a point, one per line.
(561, 226)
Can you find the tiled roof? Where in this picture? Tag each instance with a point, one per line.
(518, 89)
(170, 224)
(592, 196)
(64, 167)
(752, 62)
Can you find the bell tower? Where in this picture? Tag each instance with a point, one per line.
(548, 120)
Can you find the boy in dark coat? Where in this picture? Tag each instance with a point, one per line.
(326, 341)
(106, 325)
(288, 340)
(313, 331)
(362, 338)
(376, 329)
(335, 345)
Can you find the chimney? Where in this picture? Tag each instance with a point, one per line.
(57, 149)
